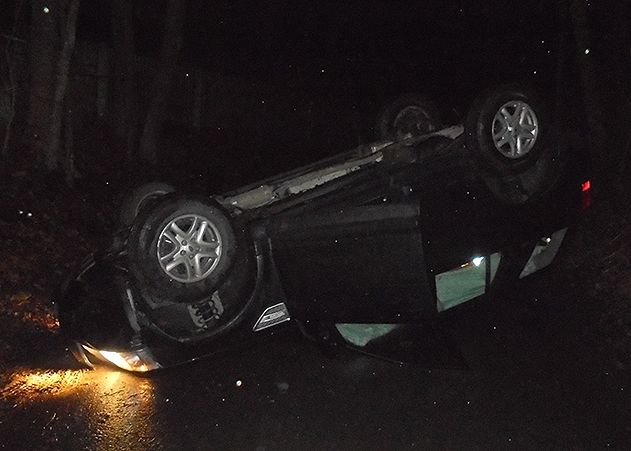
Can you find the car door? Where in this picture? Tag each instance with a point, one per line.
(355, 254)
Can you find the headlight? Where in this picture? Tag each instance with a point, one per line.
(140, 359)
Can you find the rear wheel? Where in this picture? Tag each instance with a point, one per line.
(514, 143)
(508, 128)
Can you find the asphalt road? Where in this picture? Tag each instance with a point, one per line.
(544, 366)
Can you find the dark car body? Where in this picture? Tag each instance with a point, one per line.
(385, 233)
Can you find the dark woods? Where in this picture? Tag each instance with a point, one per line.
(119, 87)
(70, 94)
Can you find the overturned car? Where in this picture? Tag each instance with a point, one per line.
(389, 232)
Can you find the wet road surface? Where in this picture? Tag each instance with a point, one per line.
(546, 367)
(527, 385)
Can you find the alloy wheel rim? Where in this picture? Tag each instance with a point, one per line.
(189, 248)
(515, 129)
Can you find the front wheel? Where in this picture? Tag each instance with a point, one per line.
(407, 116)
(182, 249)
(140, 199)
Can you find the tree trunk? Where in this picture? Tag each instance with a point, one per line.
(615, 71)
(198, 97)
(42, 55)
(125, 103)
(596, 135)
(67, 162)
(10, 84)
(561, 71)
(102, 86)
(53, 150)
(171, 44)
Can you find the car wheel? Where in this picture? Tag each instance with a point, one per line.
(141, 198)
(511, 137)
(508, 129)
(181, 249)
(407, 116)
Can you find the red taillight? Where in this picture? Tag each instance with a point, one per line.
(586, 198)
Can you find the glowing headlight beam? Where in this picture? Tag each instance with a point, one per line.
(139, 360)
(117, 359)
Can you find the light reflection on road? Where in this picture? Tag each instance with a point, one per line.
(110, 403)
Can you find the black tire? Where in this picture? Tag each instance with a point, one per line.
(162, 261)
(522, 177)
(484, 133)
(408, 115)
(141, 198)
(526, 186)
